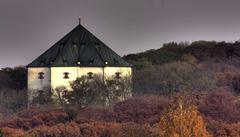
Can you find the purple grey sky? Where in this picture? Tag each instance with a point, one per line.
(29, 27)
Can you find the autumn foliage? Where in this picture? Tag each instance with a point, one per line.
(144, 109)
(137, 117)
(183, 120)
(214, 113)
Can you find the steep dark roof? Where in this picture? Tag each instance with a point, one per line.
(82, 46)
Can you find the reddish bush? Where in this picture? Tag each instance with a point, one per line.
(27, 120)
(9, 132)
(91, 114)
(219, 109)
(220, 105)
(145, 109)
(100, 129)
(95, 129)
(59, 130)
(136, 130)
(223, 129)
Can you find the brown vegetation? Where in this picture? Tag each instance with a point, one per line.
(143, 113)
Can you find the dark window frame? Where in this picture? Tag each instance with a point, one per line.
(66, 75)
(40, 75)
(118, 75)
(90, 75)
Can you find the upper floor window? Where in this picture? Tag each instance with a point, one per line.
(40, 75)
(118, 75)
(90, 75)
(66, 75)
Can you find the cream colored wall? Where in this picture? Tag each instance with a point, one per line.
(74, 72)
(35, 84)
(109, 72)
(54, 76)
(38, 84)
(57, 76)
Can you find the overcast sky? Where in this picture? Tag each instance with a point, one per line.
(29, 27)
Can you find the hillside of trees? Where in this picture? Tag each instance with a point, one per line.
(170, 52)
(179, 90)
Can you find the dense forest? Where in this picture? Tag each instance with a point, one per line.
(179, 90)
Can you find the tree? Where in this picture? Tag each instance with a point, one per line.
(85, 91)
(18, 77)
(183, 120)
(42, 97)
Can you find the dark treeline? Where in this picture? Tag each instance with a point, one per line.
(13, 93)
(169, 52)
(13, 78)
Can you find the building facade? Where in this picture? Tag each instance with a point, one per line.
(77, 54)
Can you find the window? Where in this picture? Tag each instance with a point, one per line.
(90, 75)
(118, 75)
(40, 75)
(66, 75)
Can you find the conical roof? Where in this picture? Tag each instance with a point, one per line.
(79, 48)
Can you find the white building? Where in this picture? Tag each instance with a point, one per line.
(76, 54)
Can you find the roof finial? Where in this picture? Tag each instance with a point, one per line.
(79, 19)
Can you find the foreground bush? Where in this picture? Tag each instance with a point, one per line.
(183, 120)
(95, 129)
(223, 129)
(10, 132)
(30, 120)
(145, 109)
(12, 100)
(221, 105)
(91, 114)
(219, 109)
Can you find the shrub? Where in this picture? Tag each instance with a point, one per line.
(222, 128)
(220, 105)
(136, 130)
(13, 100)
(9, 132)
(145, 109)
(182, 120)
(28, 121)
(91, 114)
(94, 129)
(100, 129)
(43, 97)
(59, 130)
